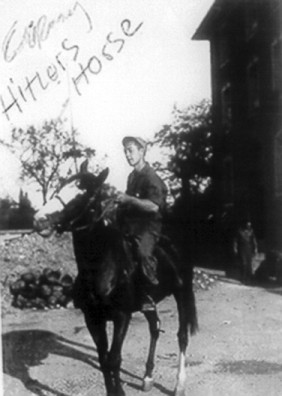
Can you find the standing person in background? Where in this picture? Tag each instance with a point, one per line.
(245, 247)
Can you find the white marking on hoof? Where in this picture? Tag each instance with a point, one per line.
(181, 376)
(180, 392)
(148, 384)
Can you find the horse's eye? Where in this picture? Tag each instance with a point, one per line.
(78, 184)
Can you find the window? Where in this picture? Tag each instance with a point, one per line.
(253, 85)
(278, 163)
(276, 64)
(226, 105)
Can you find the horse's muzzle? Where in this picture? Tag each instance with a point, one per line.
(42, 227)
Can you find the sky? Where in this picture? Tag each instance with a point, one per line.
(111, 68)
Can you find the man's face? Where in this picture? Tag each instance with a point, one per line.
(133, 153)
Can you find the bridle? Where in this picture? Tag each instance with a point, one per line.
(83, 211)
(74, 226)
(62, 184)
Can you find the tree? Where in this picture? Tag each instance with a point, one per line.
(187, 149)
(47, 155)
(23, 216)
(16, 215)
(6, 206)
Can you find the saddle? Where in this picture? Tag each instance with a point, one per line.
(165, 256)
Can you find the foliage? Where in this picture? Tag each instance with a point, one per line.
(187, 166)
(16, 215)
(187, 149)
(47, 155)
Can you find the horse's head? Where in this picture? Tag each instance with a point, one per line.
(69, 207)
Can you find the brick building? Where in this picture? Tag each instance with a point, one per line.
(246, 66)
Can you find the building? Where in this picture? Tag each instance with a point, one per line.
(246, 66)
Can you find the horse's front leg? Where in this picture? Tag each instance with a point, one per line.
(154, 327)
(99, 335)
(121, 322)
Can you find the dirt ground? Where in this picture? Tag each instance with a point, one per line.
(238, 350)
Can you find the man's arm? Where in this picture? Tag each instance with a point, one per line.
(143, 204)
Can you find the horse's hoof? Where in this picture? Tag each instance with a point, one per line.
(148, 384)
(119, 393)
(116, 394)
(179, 392)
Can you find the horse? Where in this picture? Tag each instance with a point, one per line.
(107, 287)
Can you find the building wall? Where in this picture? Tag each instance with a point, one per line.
(246, 55)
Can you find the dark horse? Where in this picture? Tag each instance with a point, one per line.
(107, 286)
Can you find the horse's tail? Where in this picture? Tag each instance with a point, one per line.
(169, 256)
(190, 298)
(192, 315)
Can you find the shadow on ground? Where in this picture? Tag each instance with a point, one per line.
(249, 367)
(29, 348)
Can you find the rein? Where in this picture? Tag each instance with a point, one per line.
(64, 183)
(111, 203)
(108, 207)
(60, 199)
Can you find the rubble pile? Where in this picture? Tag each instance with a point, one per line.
(41, 290)
(203, 280)
(53, 264)
(32, 253)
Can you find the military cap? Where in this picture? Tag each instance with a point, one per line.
(138, 140)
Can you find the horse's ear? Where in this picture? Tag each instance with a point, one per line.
(103, 176)
(84, 166)
(90, 183)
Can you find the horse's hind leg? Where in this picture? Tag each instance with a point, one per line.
(187, 323)
(154, 327)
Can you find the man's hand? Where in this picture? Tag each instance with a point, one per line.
(123, 198)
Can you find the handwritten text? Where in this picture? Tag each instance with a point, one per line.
(19, 95)
(36, 32)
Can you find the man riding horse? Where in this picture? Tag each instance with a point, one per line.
(106, 288)
(140, 215)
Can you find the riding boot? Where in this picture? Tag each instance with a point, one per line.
(149, 282)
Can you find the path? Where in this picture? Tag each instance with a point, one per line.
(238, 350)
